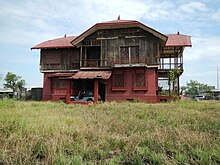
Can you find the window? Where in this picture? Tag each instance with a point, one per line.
(124, 51)
(56, 83)
(140, 78)
(118, 79)
(129, 54)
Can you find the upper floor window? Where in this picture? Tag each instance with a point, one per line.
(129, 54)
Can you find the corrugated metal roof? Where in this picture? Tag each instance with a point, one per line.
(118, 22)
(63, 42)
(61, 75)
(178, 40)
(91, 75)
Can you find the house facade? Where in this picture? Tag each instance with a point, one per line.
(118, 60)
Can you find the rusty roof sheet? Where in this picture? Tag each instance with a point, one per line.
(61, 75)
(178, 40)
(63, 42)
(92, 75)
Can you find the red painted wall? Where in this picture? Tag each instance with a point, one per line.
(52, 94)
(129, 92)
(46, 87)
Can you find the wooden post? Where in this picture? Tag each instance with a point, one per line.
(96, 91)
(68, 91)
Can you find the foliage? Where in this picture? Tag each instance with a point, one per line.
(173, 75)
(14, 82)
(109, 133)
(194, 87)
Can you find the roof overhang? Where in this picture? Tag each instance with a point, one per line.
(105, 75)
(118, 25)
(58, 43)
(178, 40)
(60, 75)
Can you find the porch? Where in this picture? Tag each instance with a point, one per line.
(86, 86)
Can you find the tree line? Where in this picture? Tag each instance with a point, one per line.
(14, 82)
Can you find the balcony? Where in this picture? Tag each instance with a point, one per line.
(168, 66)
(72, 66)
(93, 63)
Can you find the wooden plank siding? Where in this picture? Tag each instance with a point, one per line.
(59, 59)
(112, 40)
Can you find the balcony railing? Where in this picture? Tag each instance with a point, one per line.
(168, 66)
(93, 63)
(72, 66)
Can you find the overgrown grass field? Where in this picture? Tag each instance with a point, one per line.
(109, 133)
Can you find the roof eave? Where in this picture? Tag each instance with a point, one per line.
(57, 47)
(100, 26)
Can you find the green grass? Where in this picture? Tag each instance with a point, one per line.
(109, 133)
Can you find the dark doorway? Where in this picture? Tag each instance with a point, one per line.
(102, 86)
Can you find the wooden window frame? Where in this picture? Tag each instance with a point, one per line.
(141, 87)
(129, 54)
(119, 88)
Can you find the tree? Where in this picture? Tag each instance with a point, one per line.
(194, 87)
(14, 82)
(173, 75)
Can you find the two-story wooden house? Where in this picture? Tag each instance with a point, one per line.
(117, 60)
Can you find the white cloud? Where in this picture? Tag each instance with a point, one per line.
(216, 16)
(193, 7)
(205, 48)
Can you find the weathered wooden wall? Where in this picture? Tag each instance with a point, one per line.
(59, 59)
(112, 40)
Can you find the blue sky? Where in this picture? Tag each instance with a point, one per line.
(25, 23)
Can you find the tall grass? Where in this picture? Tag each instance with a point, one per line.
(109, 133)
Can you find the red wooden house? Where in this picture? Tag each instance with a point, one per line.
(117, 60)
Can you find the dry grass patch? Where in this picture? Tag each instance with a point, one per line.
(109, 133)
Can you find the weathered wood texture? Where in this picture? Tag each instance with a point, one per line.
(59, 59)
(111, 42)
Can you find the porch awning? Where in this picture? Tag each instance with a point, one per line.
(91, 75)
(61, 75)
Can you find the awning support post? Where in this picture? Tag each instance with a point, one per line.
(68, 91)
(96, 91)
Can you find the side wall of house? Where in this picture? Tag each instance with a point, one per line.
(59, 59)
(54, 88)
(147, 92)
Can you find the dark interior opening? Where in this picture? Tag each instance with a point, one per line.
(93, 56)
(102, 91)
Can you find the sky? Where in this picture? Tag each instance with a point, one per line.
(26, 23)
